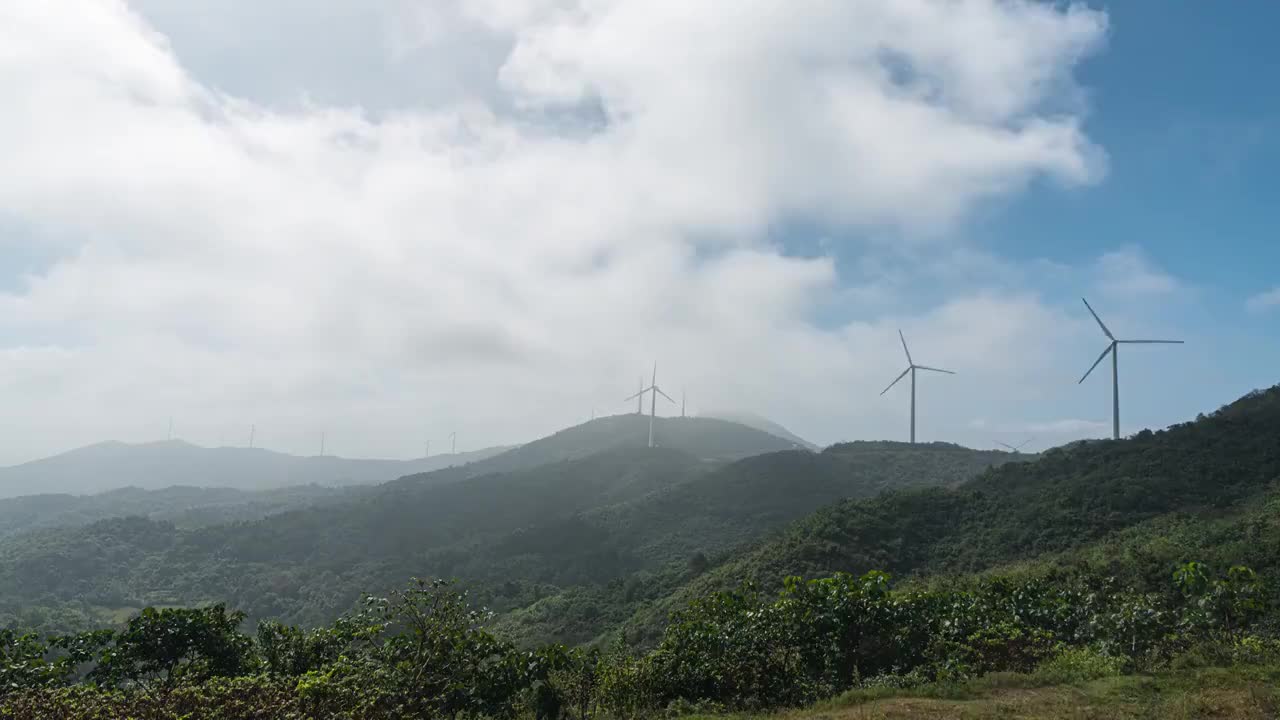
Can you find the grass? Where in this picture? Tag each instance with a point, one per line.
(1245, 693)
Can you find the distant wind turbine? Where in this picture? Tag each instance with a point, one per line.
(653, 399)
(1114, 349)
(912, 367)
(170, 429)
(427, 452)
(453, 443)
(1016, 448)
(682, 397)
(321, 444)
(640, 398)
(252, 429)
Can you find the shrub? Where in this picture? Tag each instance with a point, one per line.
(1078, 664)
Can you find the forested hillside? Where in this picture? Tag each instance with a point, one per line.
(1082, 563)
(621, 525)
(1208, 484)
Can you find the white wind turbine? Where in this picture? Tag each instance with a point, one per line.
(912, 367)
(1114, 349)
(653, 400)
(1016, 448)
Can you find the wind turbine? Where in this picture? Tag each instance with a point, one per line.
(322, 444)
(453, 443)
(252, 429)
(1015, 448)
(912, 367)
(1114, 349)
(682, 402)
(640, 398)
(653, 399)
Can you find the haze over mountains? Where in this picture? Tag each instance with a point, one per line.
(113, 465)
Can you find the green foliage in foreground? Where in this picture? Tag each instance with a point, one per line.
(424, 652)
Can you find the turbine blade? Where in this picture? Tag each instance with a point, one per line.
(1153, 342)
(1006, 445)
(1110, 347)
(659, 391)
(926, 367)
(1095, 317)
(1025, 443)
(895, 382)
(904, 347)
(633, 397)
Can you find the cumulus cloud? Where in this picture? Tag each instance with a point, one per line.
(1128, 273)
(1266, 300)
(507, 243)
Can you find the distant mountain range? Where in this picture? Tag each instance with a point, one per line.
(113, 465)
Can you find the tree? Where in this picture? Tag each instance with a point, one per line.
(163, 647)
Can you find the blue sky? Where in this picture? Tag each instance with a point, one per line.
(388, 220)
(1179, 100)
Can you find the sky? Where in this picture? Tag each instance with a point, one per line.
(389, 220)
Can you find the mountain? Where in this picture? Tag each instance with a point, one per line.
(762, 424)
(704, 438)
(1207, 489)
(625, 517)
(113, 465)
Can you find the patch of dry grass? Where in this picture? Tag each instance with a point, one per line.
(1232, 693)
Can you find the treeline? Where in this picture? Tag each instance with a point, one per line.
(424, 652)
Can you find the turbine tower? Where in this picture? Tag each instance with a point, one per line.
(912, 367)
(1114, 349)
(640, 398)
(322, 444)
(653, 399)
(682, 396)
(453, 443)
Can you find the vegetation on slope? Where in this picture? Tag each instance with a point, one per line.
(593, 537)
(1220, 465)
(424, 652)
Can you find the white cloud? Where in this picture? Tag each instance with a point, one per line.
(1263, 301)
(1128, 273)
(391, 260)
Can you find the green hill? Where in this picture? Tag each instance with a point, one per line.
(625, 522)
(1213, 479)
(704, 438)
